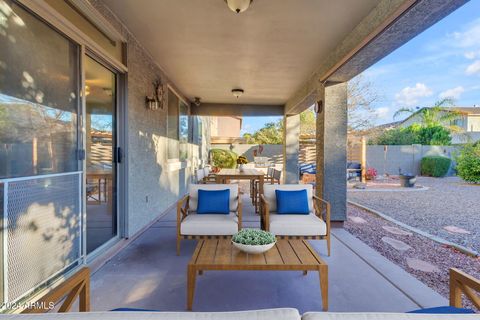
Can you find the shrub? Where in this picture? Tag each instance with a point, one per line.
(468, 163)
(414, 134)
(435, 166)
(253, 237)
(224, 158)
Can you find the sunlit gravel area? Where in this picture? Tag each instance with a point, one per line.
(449, 209)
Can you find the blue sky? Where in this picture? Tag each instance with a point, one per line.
(442, 61)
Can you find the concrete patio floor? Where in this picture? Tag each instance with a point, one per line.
(148, 274)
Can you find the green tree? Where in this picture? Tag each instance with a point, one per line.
(414, 134)
(436, 116)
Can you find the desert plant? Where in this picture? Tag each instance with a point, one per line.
(468, 163)
(435, 166)
(224, 158)
(253, 237)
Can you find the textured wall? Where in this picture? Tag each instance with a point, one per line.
(332, 149)
(152, 185)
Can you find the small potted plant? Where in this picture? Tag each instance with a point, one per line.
(254, 241)
(241, 161)
(371, 174)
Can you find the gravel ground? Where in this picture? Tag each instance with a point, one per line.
(448, 202)
(371, 232)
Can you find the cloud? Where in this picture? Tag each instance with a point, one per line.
(468, 38)
(454, 93)
(383, 113)
(470, 55)
(409, 96)
(473, 68)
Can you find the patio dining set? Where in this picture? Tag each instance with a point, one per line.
(212, 213)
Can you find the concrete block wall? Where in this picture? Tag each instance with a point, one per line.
(389, 159)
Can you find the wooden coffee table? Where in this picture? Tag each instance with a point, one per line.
(287, 255)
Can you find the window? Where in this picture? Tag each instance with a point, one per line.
(38, 97)
(177, 128)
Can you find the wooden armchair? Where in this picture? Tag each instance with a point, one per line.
(462, 283)
(191, 225)
(315, 226)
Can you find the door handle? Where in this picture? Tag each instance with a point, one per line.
(119, 155)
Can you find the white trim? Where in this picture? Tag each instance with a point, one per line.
(46, 12)
(97, 19)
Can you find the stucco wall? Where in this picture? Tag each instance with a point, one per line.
(153, 184)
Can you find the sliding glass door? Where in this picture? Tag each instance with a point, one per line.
(101, 157)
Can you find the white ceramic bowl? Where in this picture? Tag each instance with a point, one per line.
(254, 249)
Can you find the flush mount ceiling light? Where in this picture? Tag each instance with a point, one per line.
(237, 93)
(238, 6)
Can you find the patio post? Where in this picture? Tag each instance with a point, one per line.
(291, 148)
(331, 144)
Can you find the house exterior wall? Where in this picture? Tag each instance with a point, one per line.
(473, 123)
(226, 126)
(154, 183)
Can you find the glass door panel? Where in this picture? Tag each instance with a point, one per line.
(100, 118)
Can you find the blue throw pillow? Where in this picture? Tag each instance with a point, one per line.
(292, 201)
(213, 201)
(444, 310)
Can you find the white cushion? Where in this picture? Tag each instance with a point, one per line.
(193, 202)
(386, 316)
(297, 225)
(268, 314)
(271, 199)
(209, 224)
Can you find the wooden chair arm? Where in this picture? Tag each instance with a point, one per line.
(265, 212)
(182, 209)
(318, 212)
(239, 212)
(463, 283)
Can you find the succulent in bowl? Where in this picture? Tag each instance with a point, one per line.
(254, 237)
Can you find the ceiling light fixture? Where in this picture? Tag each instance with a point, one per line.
(237, 93)
(238, 6)
(197, 101)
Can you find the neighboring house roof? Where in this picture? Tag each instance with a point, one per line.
(466, 110)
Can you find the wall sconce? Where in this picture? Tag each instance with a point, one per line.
(155, 101)
(318, 106)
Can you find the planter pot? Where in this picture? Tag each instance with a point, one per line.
(241, 167)
(253, 249)
(407, 181)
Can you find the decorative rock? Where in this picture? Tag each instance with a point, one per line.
(360, 186)
(397, 231)
(453, 229)
(396, 244)
(421, 265)
(357, 219)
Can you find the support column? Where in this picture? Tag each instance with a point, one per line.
(291, 148)
(332, 149)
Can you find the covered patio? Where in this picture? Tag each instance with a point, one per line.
(147, 274)
(142, 80)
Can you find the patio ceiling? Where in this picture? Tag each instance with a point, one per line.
(268, 51)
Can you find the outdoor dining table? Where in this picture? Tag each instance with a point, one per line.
(247, 174)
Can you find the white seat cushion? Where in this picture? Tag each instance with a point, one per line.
(297, 225)
(271, 199)
(209, 224)
(267, 314)
(193, 192)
